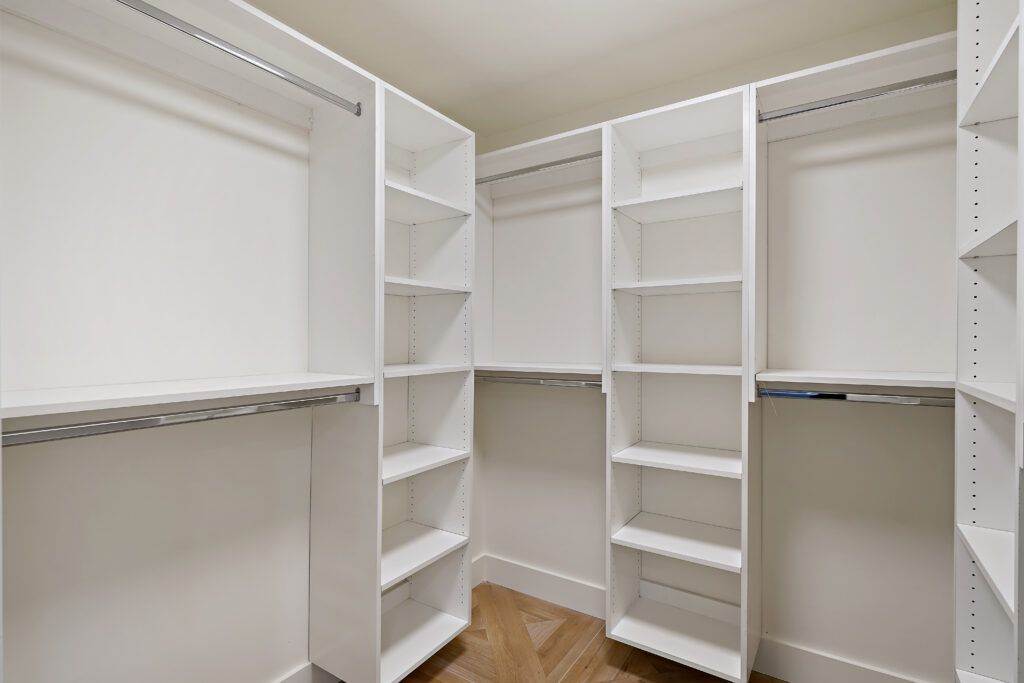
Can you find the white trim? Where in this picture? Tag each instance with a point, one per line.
(802, 665)
(565, 591)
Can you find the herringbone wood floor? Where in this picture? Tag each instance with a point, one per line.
(517, 638)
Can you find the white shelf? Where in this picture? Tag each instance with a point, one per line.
(996, 97)
(411, 206)
(686, 637)
(554, 368)
(410, 634)
(937, 380)
(416, 369)
(1000, 394)
(710, 461)
(404, 286)
(704, 202)
(675, 369)
(692, 285)
(967, 677)
(409, 459)
(711, 546)
(409, 547)
(29, 402)
(993, 552)
(999, 242)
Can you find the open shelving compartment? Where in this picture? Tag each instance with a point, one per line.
(538, 258)
(988, 350)
(678, 489)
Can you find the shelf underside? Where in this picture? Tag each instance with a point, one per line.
(686, 637)
(679, 369)
(101, 397)
(968, 677)
(409, 547)
(410, 206)
(404, 286)
(693, 285)
(999, 242)
(408, 459)
(554, 368)
(416, 369)
(710, 461)
(993, 551)
(705, 544)
(704, 202)
(937, 380)
(996, 97)
(410, 633)
(1000, 394)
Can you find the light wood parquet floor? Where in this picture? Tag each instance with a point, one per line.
(515, 638)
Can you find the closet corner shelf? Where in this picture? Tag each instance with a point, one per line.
(996, 97)
(409, 459)
(416, 369)
(968, 677)
(1000, 394)
(713, 462)
(681, 539)
(682, 636)
(999, 242)
(690, 285)
(410, 633)
(993, 551)
(674, 369)
(554, 368)
(404, 286)
(30, 402)
(936, 380)
(411, 206)
(408, 547)
(703, 202)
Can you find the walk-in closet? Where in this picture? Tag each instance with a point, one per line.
(504, 359)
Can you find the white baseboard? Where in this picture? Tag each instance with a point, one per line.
(562, 590)
(796, 664)
(308, 673)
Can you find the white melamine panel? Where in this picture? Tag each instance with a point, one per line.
(113, 543)
(409, 206)
(986, 29)
(941, 380)
(862, 280)
(709, 461)
(693, 578)
(704, 117)
(986, 183)
(987, 331)
(698, 329)
(408, 547)
(1002, 395)
(411, 632)
(703, 201)
(552, 368)
(690, 285)
(704, 544)
(995, 241)
(986, 491)
(679, 369)
(984, 633)
(711, 406)
(418, 369)
(694, 497)
(996, 95)
(404, 286)
(967, 677)
(406, 459)
(860, 497)
(395, 411)
(698, 247)
(992, 551)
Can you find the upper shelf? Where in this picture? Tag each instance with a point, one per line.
(679, 369)
(416, 369)
(1000, 394)
(1000, 242)
(404, 286)
(705, 544)
(411, 206)
(554, 368)
(693, 204)
(996, 97)
(937, 380)
(689, 285)
(28, 402)
(713, 462)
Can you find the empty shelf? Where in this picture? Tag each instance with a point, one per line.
(939, 380)
(711, 546)
(705, 202)
(992, 550)
(687, 637)
(711, 461)
(996, 97)
(673, 369)
(555, 368)
(410, 206)
(414, 369)
(409, 547)
(404, 286)
(999, 242)
(409, 634)
(967, 677)
(691, 285)
(1000, 394)
(408, 459)
(27, 402)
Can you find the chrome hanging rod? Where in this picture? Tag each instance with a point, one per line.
(198, 33)
(858, 398)
(870, 93)
(29, 436)
(539, 167)
(542, 381)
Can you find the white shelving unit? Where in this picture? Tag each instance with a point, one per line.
(426, 269)
(682, 510)
(988, 441)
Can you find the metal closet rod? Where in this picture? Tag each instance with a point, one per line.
(29, 436)
(285, 75)
(860, 95)
(542, 381)
(858, 398)
(539, 167)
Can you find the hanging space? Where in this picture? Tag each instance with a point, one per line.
(681, 531)
(426, 349)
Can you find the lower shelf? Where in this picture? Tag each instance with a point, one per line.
(1000, 394)
(417, 369)
(993, 551)
(686, 637)
(410, 634)
(409, 459)
(968, 677)
(681, 539)
(873, 378)
(713, 462)
(408, 547)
